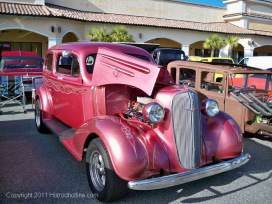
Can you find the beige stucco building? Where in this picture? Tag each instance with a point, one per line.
(36, 25)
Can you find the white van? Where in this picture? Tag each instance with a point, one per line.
(262, 62)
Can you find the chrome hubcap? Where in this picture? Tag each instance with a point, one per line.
(97, 171)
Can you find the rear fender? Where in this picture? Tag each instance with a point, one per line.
(222, 136)
(45, 98)
(134, 156)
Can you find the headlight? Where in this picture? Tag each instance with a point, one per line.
(209, 107)
(153, 112)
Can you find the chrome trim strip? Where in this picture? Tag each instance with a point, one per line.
(177, 179)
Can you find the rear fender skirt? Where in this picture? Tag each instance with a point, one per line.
(133, 152)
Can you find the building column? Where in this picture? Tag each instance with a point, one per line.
(248, 52)
(186, 48)
(224, 52)
(54, 41)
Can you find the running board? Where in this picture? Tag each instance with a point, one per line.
(59, 129)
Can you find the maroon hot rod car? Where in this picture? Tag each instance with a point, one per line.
(112, 105)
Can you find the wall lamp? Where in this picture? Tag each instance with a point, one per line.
(251, 42)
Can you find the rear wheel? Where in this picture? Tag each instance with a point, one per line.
(104, 183)
(41, 127)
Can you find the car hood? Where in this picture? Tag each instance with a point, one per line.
(112, 67)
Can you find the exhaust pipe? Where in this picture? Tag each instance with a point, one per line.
(260, 102)
(245, 104)
(255, 105)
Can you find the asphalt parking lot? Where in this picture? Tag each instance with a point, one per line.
(37, 168)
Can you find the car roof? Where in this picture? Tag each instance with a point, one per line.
(229, 68)
(86, 48)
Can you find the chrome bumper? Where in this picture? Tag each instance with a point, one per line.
(176, 179)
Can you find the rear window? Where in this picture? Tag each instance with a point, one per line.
(222, 60)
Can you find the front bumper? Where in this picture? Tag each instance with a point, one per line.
(177, 179)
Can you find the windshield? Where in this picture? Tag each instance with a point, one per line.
(257, 81)
(139, 57)
(21, 62)
(167, 56)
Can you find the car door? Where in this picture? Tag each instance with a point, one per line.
(67, 91)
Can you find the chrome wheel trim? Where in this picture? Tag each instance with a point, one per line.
(38, 116)
(97, 171)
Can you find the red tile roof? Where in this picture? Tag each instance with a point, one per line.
(50, 10)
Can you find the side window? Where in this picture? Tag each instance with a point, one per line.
(244, 61)
(49, 61)
(90, 61)
(212, 81)
(68, 65)
(75, 67)
(187, 77)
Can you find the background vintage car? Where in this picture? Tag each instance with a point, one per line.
(27, 64)
(261, 62)
(217, 59)
(242, 92)
(113, 106)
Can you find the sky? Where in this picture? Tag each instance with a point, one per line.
(218, 3)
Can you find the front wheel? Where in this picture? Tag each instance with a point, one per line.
(41, 127)
(104, 183)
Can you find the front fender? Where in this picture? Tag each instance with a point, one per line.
(133, 152)
(222, 136)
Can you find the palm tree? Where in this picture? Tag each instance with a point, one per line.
(213, 42)
(99, 34)
(232, 41)
(120, 34)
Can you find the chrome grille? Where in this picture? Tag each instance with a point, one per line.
(186, 123)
